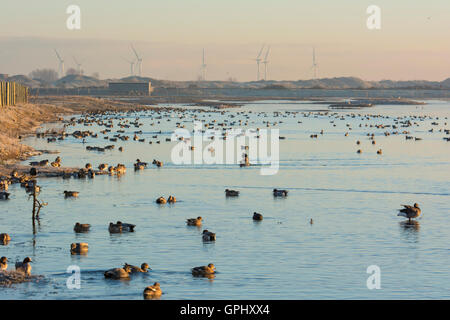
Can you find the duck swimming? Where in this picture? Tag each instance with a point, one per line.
(280, 193)
(81, 227)
(4, 238)
(171, 199)
(24, 266)
(161, 200)
(410, 212)
(69, 194)
(231, 193)
(194, 221)
(118, 273)
(4, 195)
(79, 248)
(208, 236)
(3, 263)
(119, 227)
(257, 216)
(202, 271)
(153, 291)
(134, 269)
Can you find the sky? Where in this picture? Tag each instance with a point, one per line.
(413, 42)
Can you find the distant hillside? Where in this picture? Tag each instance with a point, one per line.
(79, 81)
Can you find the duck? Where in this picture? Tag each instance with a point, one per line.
(118, 273)
(157, 163)
(257, 216)
(280, 193)
(4, 195)
(359, 151)
(81, 227)
(24, 266)
(210, 269)
(231, 193)
(115, 228)
(410, 212)
(119, 227)
(4, 238)
(153, 291)
(208, 236)
(379, 151)
(139, 165)
(134, 269)
(194, 221)
(171, 199)
(103, 167)
(69, 194)
(3, 263)
(79, 248)
(161, 200)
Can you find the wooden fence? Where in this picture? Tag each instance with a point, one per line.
(12, 93)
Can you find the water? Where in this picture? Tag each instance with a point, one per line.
(351, 197)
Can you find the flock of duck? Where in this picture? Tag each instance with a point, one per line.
(399, 126)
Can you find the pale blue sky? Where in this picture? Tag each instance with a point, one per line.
(413, 43)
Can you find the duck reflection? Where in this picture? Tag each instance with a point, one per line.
(410, 230)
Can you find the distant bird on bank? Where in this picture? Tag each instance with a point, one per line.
(410, 212)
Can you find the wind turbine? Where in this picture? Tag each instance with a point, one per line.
(131, 66)
(78, 66)
(139, 61)
(258, 60)
(314, 65)
(265, 61)
(203, 66)
(61, 64)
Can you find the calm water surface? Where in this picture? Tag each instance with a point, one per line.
(351, 197)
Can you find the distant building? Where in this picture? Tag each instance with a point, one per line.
(130, 88)
(3, 76)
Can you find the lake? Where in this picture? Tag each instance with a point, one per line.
(352, 199)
